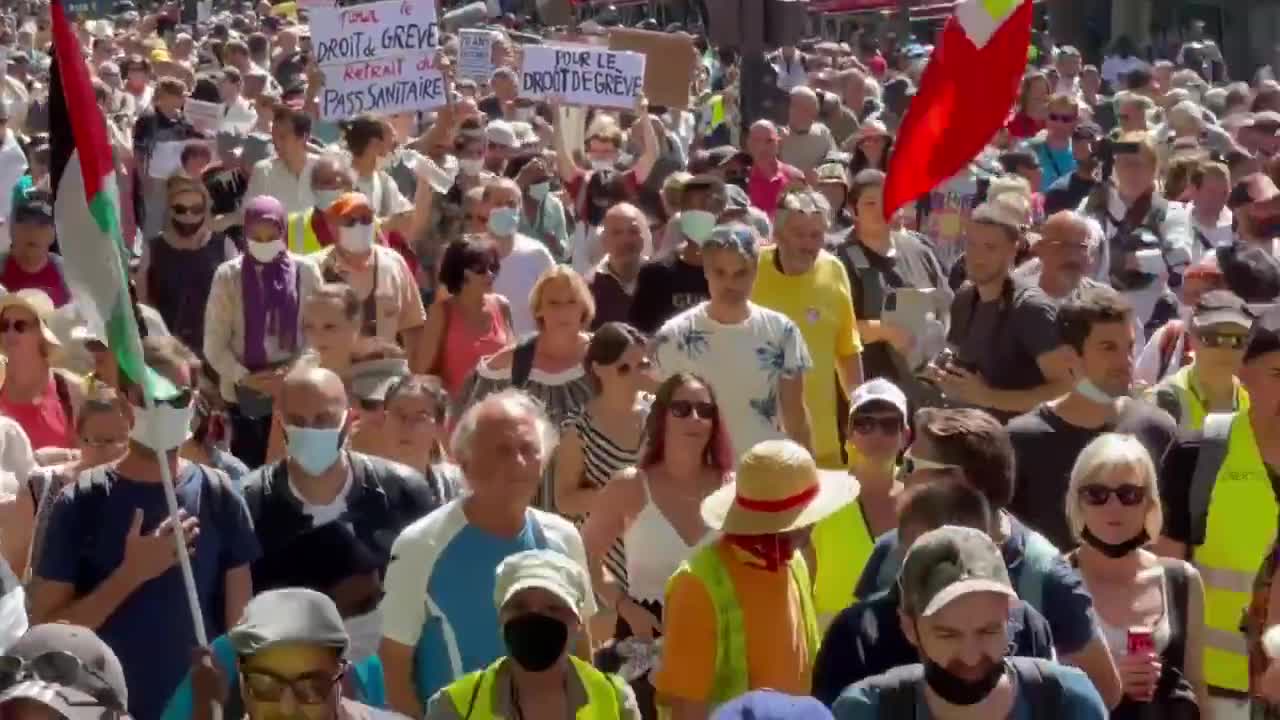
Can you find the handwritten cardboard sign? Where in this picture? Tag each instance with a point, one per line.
(475, 54)
(670, 61)
(378, 57)
(582, 75)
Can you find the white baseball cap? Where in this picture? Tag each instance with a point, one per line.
(547, 569)
(880, 390)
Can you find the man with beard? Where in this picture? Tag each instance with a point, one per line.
(1068, 191)
(955, 605)
(1255, 201)
(1097, 323)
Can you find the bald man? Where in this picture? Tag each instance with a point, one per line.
(1066, 252)
(769, 176)
(320, 481)
(626, 241)
(808, 141)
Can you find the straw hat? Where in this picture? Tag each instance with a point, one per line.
(38, 304)
(778, 488)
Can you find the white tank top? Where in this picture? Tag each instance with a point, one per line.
(654, 550)
(1117, 638)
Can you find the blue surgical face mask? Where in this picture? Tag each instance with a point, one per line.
(315, 449)
(503, 221)
(1092, 392)
(697, 225)
(538, 191)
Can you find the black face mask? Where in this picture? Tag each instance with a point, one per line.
(1114, 550)
(535, 641)
(957, 690)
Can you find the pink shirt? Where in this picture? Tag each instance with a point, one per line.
(764, 190)
(463, 346)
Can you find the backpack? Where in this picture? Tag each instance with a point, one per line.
(897, 694)
(1213, 451)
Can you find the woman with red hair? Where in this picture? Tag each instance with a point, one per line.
(655, 508)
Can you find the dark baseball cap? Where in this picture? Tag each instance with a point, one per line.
(948, 563)
(35, 207)
(1222, 307)
(66, 667)
(289, 616)
(1265, 338)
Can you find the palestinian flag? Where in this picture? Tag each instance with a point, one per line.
(87, 208)
(969, 85)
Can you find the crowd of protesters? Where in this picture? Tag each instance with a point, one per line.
(521, 409)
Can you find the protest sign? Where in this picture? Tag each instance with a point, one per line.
(582, 75)
(204, 116)
(475, 54)
(670, 61)
(378, 57)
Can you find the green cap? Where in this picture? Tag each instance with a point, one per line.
(949, 562)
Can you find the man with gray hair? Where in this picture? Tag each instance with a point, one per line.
(754, 358)
(804, 282)
(808, 141)
(434, 628)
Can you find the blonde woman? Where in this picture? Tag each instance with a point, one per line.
(547, 364)
(1150, 609)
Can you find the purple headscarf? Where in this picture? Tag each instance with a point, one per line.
(270, 289)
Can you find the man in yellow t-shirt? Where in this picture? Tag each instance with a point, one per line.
(799, 279)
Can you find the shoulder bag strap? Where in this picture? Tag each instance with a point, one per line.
(1176, 603)
(522, 361)
(1043, 690)
(1213, 451)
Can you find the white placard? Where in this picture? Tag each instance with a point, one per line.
(384, 87)
(582, 75)
(166, 158)
(378, 57)
(475, 54)
(374, 31)
(204, 116)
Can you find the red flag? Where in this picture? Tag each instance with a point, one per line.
(964, 98)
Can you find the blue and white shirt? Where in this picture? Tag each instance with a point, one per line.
(440, 584)
(743, 364)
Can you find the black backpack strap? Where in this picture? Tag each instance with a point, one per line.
(522, 361)
(1176, 601)
(896, 691)
(1213, 451)
(1043, 689)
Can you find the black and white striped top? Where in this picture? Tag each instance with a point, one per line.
(601, 458)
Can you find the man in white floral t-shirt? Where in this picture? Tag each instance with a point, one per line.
(754, 358)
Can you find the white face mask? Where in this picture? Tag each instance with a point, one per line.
(599, 165)
(525, 114)
(163, 427)
(13, 617)
(356, 239)
(1092, 392)
(471, 166)
(365, 632)
(266, 252)
(326, 198)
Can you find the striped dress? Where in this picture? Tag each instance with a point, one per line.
(601, 458)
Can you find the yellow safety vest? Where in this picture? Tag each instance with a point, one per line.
(1239, 532)
(302, 236)
(1186, 385)
(732, 676)
(472, 694)
(842, 545)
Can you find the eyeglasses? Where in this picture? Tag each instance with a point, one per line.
(309, 689)
(19, 326)
(59, 668)
(867, 424)
(179, 209)
(684, 408)
(912, 464)
(1063, 118)
(1229, 341)
(1128, 494)
(642, 365)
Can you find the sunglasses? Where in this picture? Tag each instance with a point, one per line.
(912, 464)
(867, 424)
(310, 689)
(1063, 118)
(18, 326)
(179, 209)
(485, 268)
(1214, 340)
(642, 365)
(1129, 495)
(684, 408)
(58, 668)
